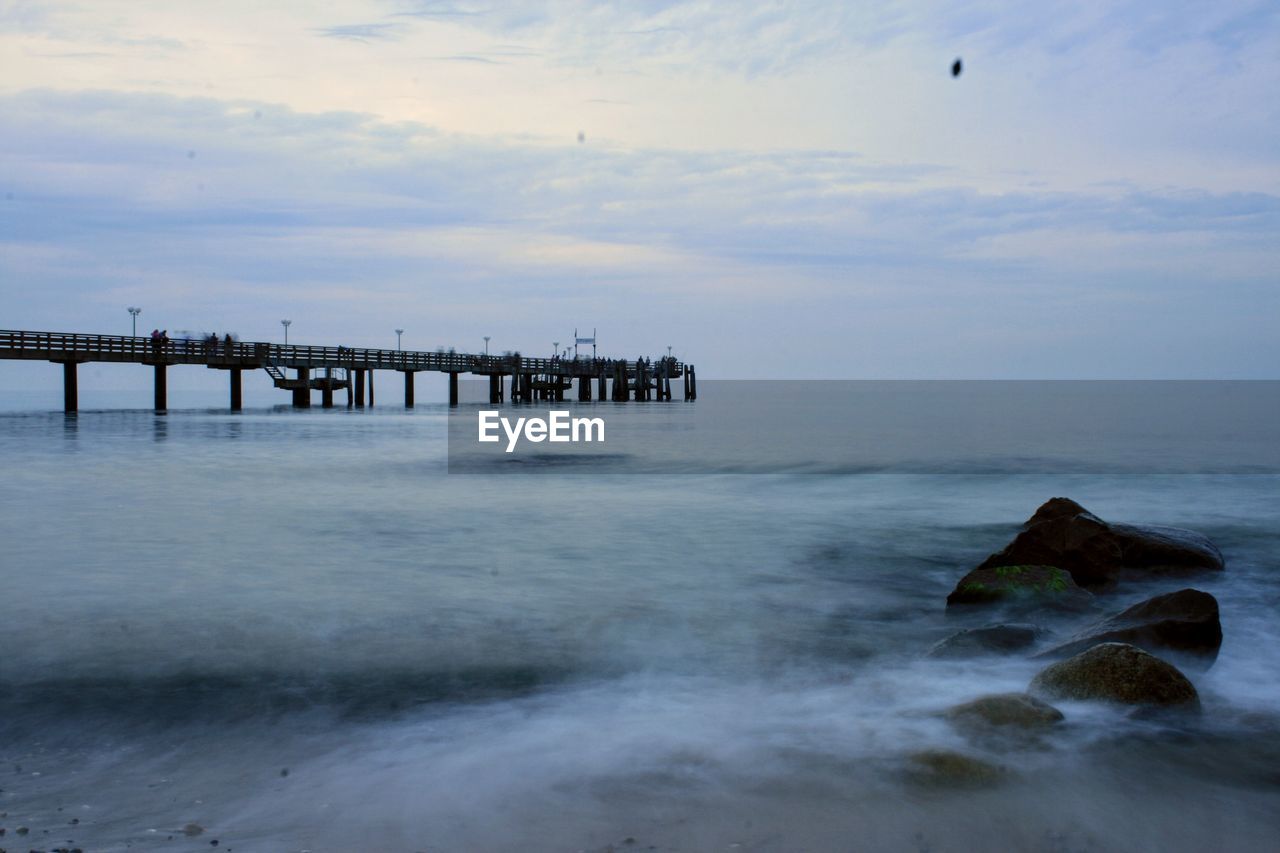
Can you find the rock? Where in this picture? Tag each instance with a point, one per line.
(1116, 672)
(1029, 584)
(1156, 548)
(1064, 534)
(1185, 623)
(948, 768)
(1004, 710)
(989, 639)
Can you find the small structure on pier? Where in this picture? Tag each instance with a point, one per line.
(332, 369)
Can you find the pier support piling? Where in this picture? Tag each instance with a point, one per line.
(360, 388)
(70, 387)
(371, 387)
(302, 394)
(162, 388)
(600, 391)
(621, 383)
(495, 389)
(237, 386)
(453, 388)
(408, 389)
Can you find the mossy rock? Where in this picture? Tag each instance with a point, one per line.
(1021, 584)
(1004, 711)
(946, 768)
(1120, 673)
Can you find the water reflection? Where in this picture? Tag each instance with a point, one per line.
(71, 429)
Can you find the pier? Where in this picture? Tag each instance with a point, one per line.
(303, 370)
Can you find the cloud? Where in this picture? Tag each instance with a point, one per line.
(439, 11)
(483, 60)
(359, 32)
(1102, 179)
(298, 212)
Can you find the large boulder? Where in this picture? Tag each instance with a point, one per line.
(1004, 638)
(1184, 623)
(1116, 672)
(1064, 534)
(1030, 585)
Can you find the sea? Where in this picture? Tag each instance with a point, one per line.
(334, 630)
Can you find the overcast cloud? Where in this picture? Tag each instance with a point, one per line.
(791, 190)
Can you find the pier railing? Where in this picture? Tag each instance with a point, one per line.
(71, 347)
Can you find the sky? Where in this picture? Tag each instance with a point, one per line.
(780, 190)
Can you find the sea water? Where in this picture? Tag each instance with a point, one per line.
(298, 630)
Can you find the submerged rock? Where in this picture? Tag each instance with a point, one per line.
(1116, 672)
(1185, 622)
(1022, 584)
(1004, 711)
(948, 768)
(1064, 534)
(989, 639)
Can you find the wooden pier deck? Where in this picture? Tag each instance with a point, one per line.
(329, 369)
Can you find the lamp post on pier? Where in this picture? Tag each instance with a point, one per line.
(486, 346)
(134, 312)
(286, 324)
(399, 332)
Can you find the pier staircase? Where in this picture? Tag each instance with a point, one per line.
(330, 379)
(277, 375)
